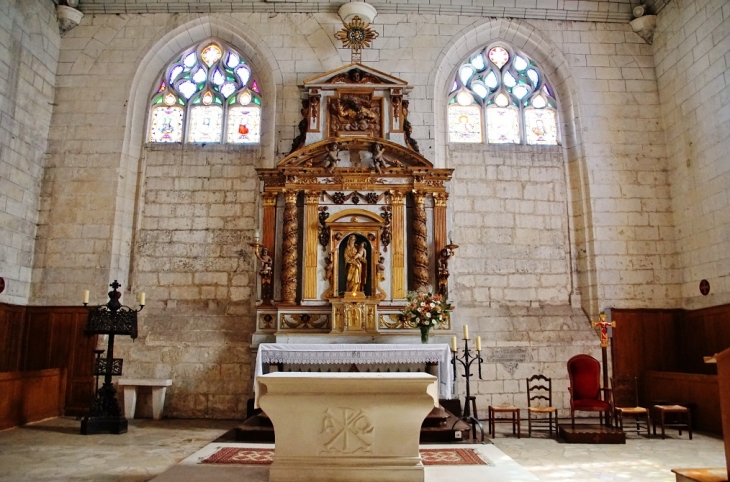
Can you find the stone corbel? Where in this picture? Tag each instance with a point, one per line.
(68, 16)
(644, 25)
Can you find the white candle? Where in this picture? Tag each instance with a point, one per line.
(142, 298)
(86, 296)
(453, 344)
(257, 236)
(479, 343)
(466, 332)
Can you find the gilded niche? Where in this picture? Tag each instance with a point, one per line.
(355, 114)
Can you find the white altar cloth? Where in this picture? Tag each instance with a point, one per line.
(345, 353)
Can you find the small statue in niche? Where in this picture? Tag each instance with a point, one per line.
(356, 259)
(266, 263)
(332, 157)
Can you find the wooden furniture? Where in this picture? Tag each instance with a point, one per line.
(31, 396)
(130, 386)
(676, 416)
(540, 402)
(723, 376)
(625, 400)
(514, 419)
(358, 427)
(697, 392)
(700, 475)
(585, 388)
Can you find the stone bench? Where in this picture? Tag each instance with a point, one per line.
(130, 385)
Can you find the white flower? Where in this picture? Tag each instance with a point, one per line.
(433, 305)
(428, 315)
(423, 303)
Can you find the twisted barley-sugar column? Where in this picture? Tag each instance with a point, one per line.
(420, 242)
(289, 250)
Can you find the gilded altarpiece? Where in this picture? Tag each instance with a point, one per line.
(354, 217)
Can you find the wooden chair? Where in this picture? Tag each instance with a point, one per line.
(540, 401)
(585, 388)
(625, 400)
(514, 419)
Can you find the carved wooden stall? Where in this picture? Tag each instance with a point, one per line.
(354, 216)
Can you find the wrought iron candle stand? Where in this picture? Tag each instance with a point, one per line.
(466, 360)
(111, 319)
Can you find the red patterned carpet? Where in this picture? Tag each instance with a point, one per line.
(255, 456)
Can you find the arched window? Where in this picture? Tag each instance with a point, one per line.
(207, 95)
(500, 95)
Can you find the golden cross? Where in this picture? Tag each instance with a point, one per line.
(603, 324)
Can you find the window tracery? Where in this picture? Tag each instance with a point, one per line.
(207, 95)
(501, 92)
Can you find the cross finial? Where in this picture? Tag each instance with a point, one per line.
(603, 325)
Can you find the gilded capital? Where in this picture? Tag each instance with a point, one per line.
(440, 198)
(312, 197)
(269, 198)
(397, 197)
(291, 196)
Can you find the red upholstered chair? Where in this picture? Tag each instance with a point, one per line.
(585, 388)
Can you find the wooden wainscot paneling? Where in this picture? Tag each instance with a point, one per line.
(55, 339)
(699, 392)
(30, 396)
(644, 340)
(12, 324)
(703, 333)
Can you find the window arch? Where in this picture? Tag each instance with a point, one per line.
(207, 95)
(500, 94)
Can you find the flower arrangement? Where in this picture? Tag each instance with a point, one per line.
(426, 311)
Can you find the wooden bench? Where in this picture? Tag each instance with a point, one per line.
(159, 387)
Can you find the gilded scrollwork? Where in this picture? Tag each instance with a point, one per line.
(304, 321)
(386, 212)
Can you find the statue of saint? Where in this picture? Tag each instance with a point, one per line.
(356, 260)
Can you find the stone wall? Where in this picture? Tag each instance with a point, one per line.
(29, 49)
(692, 54)
(176, 218)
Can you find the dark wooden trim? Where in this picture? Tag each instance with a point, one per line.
(28, 396)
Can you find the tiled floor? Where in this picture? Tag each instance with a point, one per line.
(53, 450)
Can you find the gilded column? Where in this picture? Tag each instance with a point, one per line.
(269, 241)
(311, 231)
(289, 250)
(439, 221)
(420, 242)
(398, 267)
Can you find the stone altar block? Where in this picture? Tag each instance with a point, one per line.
(349, 427)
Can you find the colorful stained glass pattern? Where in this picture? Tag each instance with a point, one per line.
(503, 125)
(205, 84)
(499, 56)
(465, 123)
(211, 54)
(166, 124)
(541, 126)
(244, 125)
(206, 124)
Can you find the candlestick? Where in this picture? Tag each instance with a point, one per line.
(466, 332)
(257, 236)
(142, 298)
(479, 343)
(86, 297)
(453, 344)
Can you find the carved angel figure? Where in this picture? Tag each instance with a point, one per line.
(378, 159)
(332, 157)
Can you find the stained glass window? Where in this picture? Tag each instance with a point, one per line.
(502, 91)
(465, 123)
(209, 94)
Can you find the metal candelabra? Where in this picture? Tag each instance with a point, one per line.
(110, 319)
(466, 361)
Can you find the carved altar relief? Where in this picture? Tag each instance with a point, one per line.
(354, 113)
(346, 430)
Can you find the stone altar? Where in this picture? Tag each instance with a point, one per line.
(358, 427)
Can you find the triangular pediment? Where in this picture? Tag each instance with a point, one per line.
(355, 74)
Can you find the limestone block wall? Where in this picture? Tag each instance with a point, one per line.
(692, 54)
(185, 213)
(192, 259)
(29, 50)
